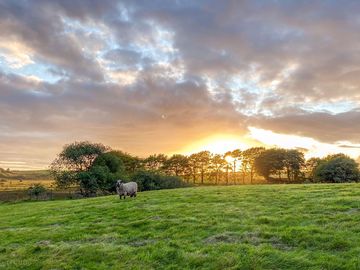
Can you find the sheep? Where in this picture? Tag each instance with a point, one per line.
(124, 189)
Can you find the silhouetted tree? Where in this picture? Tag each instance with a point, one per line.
(154, 162)
(248, 161)
(203, 159)
(218, 163)
(176, 165)
(311, 165)
(269, 162)
(236, 156)
(294, 162)
(194, 165)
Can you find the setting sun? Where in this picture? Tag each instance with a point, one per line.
(219, 144)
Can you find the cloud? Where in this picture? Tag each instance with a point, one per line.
(323, 126)
(153, 76)
(130, 118)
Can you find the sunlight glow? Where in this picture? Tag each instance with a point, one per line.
(310, 146)
(229, 159)
(219, 144)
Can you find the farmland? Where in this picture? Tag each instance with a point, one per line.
(236, 227)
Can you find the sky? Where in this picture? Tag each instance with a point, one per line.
(178, 76)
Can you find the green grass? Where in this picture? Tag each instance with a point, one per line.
(236, 227)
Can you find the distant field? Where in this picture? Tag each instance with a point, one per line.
(237, 227)
(23, 184)
(24, 175)
(16, 180)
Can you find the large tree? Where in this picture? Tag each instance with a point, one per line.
(75, 158)
(271, 162)
(294, 162)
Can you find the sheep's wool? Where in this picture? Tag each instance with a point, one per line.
(126, 189)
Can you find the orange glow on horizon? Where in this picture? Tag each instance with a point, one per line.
(218, 144)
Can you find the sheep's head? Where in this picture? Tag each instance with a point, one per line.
(119, 183)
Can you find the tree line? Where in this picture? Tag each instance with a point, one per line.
(93, 167)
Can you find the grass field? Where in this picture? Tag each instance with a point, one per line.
(237, 227)
(24, 184)
(19, 180)
(24, 175)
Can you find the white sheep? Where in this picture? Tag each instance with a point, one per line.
(124, 189)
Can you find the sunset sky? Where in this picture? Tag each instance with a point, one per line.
(178, 76)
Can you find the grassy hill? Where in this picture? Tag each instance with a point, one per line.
(237, 227)
(19, 180)
(25, 175)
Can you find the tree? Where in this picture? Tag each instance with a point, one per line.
(79, 156)
(229, 161)
(176, 165)
(337, 169)
(74, 159)
(269, 162)
(248, 161)
(236, 156)
(36, 190)
(154, 162)
(106, 169)
(193, 162)
(202, 159)
(131, 163)
(88, 184)
(110, 161)
(311, 165)
(294, 161)
(218, 163)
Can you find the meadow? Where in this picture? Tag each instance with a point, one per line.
(313, 226)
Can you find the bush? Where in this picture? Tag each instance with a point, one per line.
(147, 180)
(36, 190)
(337, 169)
(168, 182)
(88, 184)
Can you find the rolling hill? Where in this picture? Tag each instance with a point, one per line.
(24, 175)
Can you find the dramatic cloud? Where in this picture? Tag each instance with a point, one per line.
(157, 76)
